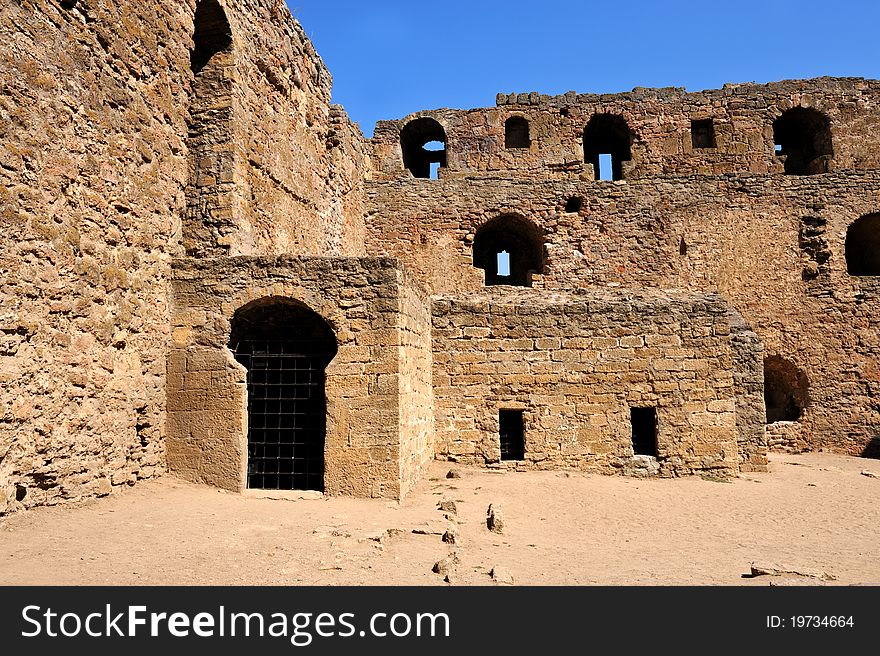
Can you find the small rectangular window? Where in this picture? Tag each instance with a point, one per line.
(644, 431)
(510, 424)
(703, 133)
(573, 205)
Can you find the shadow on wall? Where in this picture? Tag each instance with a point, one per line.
(872, 450)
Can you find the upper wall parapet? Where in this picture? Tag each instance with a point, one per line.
(741, 128)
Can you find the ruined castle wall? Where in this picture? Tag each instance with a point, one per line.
(282, 173)
(97, 145)
(660, 123)
(773, 245)
(575, 365)
(415, 384)
(92, 171)
(367, 427)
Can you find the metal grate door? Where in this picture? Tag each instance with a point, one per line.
(286, 414)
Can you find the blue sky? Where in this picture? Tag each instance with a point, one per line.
(391, 58)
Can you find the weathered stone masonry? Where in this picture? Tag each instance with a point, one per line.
(376, 433)
(576, 364)
(726, 218)
(119, 151)
(166, 170)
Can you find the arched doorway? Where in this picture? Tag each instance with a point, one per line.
(212, 34)
(285, 348)
(786, 390)
(516, 133)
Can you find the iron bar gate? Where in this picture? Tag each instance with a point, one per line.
(286, 413)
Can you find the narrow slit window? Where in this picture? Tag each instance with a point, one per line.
(644, 431)
(510, 425)
(504, 263)
(606, 167)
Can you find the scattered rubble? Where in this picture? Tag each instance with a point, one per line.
(494, 519)
(770, 569)
(501, 576)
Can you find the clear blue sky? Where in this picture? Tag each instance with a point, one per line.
(390, 58)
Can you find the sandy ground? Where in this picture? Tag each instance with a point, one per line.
(811, 512)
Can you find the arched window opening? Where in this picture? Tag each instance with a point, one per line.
(803, 136)
(862, 247)
(607, 140)
(212, 34)
(786, 390)
(509, 249)
(285, 348)
(516, 133)
(423, 142)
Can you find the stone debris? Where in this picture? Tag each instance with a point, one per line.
(501, 576)
(779, 582)
(453, 473)
(384, 536)
(432, 528)
(494, 519)
(446, 565)
(778, 570)
(451, 536)
(330, 531)
(870, 474)
(448, 505)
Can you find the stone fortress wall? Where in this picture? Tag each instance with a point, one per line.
(664, 130)
(117, 155)
(766, 227)
(164, 168)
